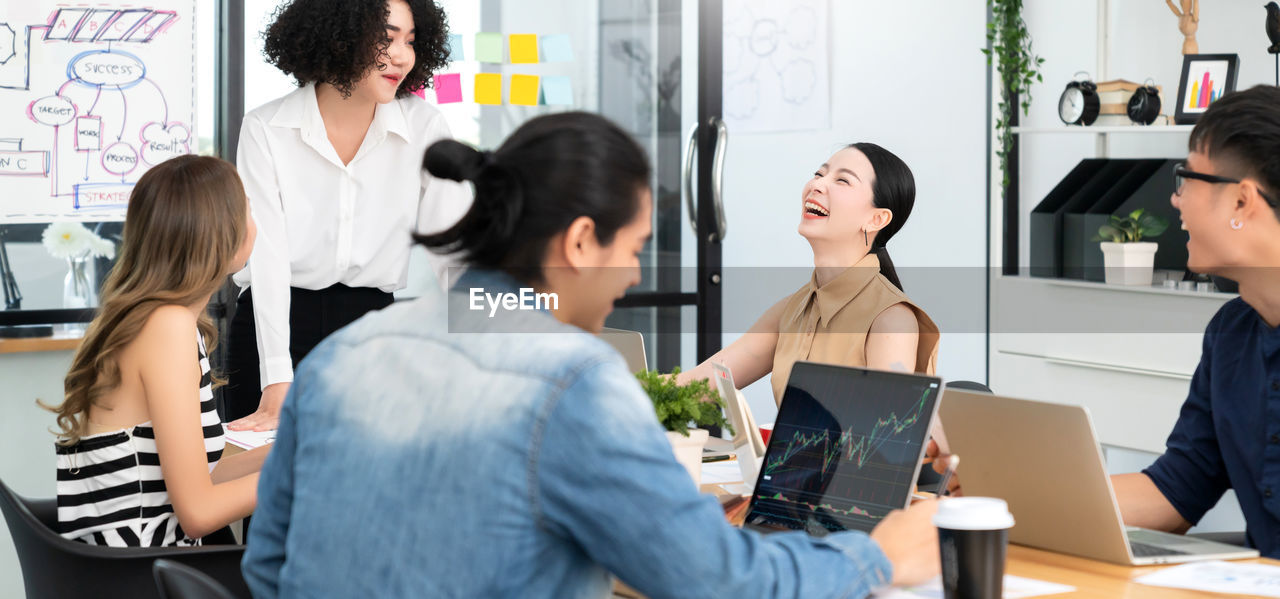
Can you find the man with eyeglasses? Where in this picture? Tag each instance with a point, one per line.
(1228, 433)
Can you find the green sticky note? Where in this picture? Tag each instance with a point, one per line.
(524, 48)
(489, 47)
(489, 88)
(524, 90)
(557, 91)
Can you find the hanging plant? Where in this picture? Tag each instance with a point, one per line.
(1019, 67)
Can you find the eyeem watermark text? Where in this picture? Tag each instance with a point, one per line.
(527, 299)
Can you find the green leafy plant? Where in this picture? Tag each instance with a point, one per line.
(678, 405)
(1019, 67)
(1132, 228)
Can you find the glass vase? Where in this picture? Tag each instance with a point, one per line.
(78, 291)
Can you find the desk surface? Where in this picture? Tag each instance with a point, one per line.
(1097, 579)
(38, 344)
(1092, 579)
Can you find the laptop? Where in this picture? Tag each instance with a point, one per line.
(1045, 461)
(746, 444)
(845, 450)
(629, 344)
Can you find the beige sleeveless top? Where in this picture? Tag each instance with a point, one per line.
(829, 324)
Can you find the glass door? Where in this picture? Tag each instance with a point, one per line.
(653, 67)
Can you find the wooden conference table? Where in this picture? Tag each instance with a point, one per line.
(1092, 579)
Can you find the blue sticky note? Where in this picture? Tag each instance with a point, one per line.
(556, 91)
(555, 48)
(455, 47)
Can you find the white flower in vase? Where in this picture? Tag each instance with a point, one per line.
(71, 240)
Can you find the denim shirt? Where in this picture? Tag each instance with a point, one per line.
(1228, 433)
(523, 461)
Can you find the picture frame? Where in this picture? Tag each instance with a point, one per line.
(1205, 78)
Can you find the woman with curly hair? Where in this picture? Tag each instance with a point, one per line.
(333, 173)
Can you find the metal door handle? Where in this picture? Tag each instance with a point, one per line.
(717, 179)
(688, 178)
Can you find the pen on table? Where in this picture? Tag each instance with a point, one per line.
(715, 458)
(952, 462)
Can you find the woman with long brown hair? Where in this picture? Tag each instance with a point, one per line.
(140, 442)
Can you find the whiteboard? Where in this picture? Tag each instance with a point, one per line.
(776, 73)
(91, 96)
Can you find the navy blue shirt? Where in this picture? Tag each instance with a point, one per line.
(1228, 434)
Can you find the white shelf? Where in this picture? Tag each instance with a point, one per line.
(1216, 296)
(1134, 129)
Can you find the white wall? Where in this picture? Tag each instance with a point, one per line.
(26, 452)
(909, 76)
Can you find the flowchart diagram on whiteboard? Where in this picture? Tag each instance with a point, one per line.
(91, 96)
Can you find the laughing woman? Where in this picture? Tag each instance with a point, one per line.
(852, 312)
(333, 174)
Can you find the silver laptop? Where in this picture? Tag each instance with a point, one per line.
(747, 444)
(1044, 459)
(628, 343)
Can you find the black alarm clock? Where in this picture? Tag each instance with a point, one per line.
(1079, 104)
(1144, 105)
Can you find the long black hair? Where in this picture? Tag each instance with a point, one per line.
(552, 170)
(894, 188)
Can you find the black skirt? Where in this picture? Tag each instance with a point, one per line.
(313, 315)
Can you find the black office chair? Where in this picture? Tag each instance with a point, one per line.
(176, 581)
(967, 386)
(53, 566)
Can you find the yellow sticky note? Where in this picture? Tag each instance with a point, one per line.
(524, 48)
(524, 90)
(488, 88)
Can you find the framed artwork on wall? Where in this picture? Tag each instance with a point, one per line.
(1205, 78)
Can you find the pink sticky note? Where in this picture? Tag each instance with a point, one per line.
(448, 88)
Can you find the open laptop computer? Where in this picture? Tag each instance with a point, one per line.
(1045, 461)
(628, 343)
(845, 449)
(746, 444)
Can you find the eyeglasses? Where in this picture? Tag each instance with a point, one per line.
(1181, 173)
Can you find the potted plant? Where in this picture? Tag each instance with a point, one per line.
(1126, 258)
(679, 405)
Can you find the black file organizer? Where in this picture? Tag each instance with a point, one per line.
(1081, 255)
(1047, 217)
(1154, 197)
(1064, 223)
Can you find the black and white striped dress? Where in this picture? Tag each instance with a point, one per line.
(111, 491)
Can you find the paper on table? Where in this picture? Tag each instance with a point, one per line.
(250, 439)
(1015, 587)
(714, 473)
(1219, 577)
